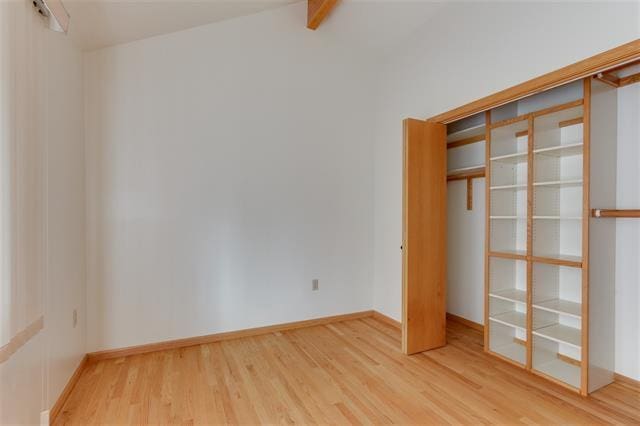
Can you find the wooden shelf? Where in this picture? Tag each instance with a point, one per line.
(568, 182)
(560, 306)
(560, 370)
(558, 259)
(466, 173)
(517, 187)
(509, 254)
(512, 351)
(512, 319)
(518, 319)
(512, 295)
(561, 150)
(519, 157)
(465, 170)
(561, 334)
(557, 217)
(474, 132)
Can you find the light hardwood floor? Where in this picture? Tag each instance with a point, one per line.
(349, 372)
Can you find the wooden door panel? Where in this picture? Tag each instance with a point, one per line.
(424, 252)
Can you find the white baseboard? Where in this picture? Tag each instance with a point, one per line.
(44, 418)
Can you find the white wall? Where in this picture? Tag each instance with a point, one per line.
(33, 378)
(627, 297)
(227, 166)
(21, 384)
(490, 47)
(465, 237)
(65, 290)
(465, 250)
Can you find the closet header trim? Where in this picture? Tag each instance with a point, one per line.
(611, 58)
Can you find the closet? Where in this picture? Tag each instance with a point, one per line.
(536, 301)
(549, 261)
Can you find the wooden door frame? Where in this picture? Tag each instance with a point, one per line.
(612, 58)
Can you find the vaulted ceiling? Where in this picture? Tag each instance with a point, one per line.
(99, 23)
(372, 26)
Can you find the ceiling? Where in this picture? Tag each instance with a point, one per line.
(374, 26)
(100, 23)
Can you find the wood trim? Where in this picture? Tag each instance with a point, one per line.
(623, 66)
(57, 407)
(466, 141)
(468, 174)
(586, 176)
(630, 79)
(519, 341)
(317, 11)
(405, 215)
(557, 108)
(469, 193)
(211, 338)
(606, 60)
(465, 322)
(529, 297)
(509, 121)
(559, 262)
(522, 133)
(508, 255)
(20, 339)
(487, 225)
(626, 380)
(567, 123)
(386, 319)
(629, 213)
(534, 114)
(569, 360)
(609, 79)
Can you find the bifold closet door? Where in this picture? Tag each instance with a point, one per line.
(424, 247)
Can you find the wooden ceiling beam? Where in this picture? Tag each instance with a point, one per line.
(317, 11)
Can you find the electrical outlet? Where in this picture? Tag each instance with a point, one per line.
(315, 284)
(75, 318)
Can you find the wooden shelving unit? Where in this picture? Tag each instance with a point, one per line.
(463, 147)
(536, 306)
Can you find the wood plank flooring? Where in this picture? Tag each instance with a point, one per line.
(350, 372)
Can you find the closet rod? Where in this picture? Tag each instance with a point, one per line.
(629, 213)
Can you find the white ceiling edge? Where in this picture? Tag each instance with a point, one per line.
(101, 23)
(375, 28)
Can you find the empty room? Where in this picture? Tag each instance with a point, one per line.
(319, 212)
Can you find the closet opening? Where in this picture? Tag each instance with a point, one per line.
(465, 220)
(527, 261)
